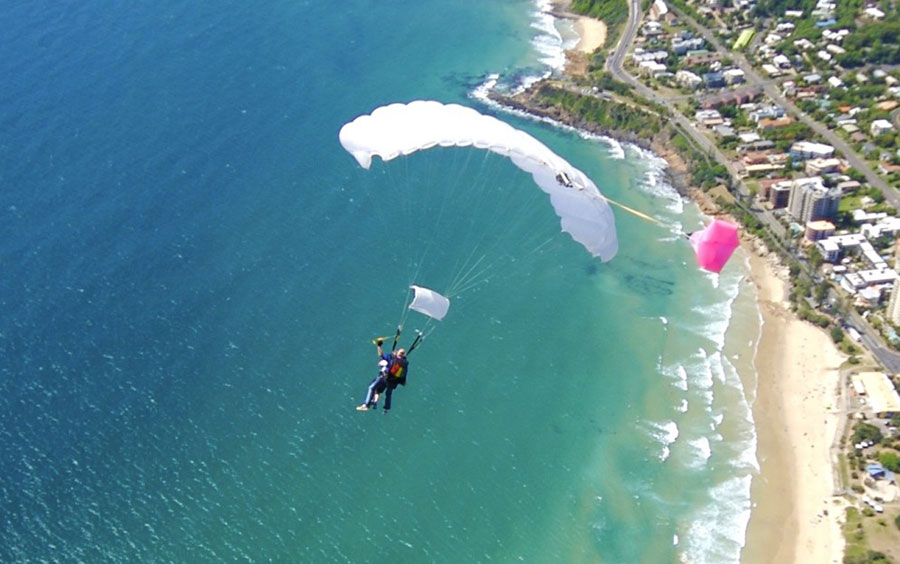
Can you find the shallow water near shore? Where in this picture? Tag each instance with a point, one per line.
(194, 270)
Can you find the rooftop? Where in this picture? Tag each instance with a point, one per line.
(882, 396)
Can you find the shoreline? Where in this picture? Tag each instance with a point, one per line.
(795, 515)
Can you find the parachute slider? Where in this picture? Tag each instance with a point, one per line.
(429, 302)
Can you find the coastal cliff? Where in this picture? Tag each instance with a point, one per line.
(604, 114)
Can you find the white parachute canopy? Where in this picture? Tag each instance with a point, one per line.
(429, 302)
(400, 129)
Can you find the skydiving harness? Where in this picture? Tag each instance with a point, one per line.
(416, 342)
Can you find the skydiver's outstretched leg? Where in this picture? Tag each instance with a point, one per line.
(387, 397)
(376, 386)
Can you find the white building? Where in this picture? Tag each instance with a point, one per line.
(871, 256)
(781, 61)
(832, 247)
(733, 76)
(802, 150)
(804, 44)
(862, 216)
(658, 10)
(641, 56)
(811, 200)
(836, 36)
(893, 307)
(880, 127)
(829, 250)
(688, 79)
(785, 27)
(885, 227)
(822, 166)
(853, 282)
(651, 68)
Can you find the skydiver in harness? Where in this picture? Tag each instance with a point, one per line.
(392, 371)
(376, 387)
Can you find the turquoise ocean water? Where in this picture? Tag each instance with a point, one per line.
(193, 270)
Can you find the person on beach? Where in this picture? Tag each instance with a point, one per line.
(392, 372)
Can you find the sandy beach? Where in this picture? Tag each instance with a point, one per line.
(795, 517)
(591, 31)
(592, 34)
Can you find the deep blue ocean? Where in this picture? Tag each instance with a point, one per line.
(193, 270)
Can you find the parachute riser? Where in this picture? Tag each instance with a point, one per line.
(396, 338)
(415, 343)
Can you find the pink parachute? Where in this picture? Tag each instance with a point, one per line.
(715, 244)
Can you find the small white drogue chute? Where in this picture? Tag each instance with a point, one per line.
(429, 302)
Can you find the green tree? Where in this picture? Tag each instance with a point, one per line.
(837, 335)
(890, 460)
(867, 432)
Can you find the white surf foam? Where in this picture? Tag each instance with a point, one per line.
(550, 46)
(677, 374)
(716, 531)
(655, 182)
(616, 150)
(700, 451)
(549, 42)
(665, 433)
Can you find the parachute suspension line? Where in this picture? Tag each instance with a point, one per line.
(476, 280)
(463, 191)
(394, 211)
(417, 252)
(463, 272)
(445, 195)
(467, 277)
(463, 279)
(541, 245)
(404, 311)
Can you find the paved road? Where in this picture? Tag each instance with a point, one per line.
(873, 341)
(771, 89)
(614, 64)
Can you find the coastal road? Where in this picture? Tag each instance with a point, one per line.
(615, 61)
(872, 340)
(772, 91)
(614, 64)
